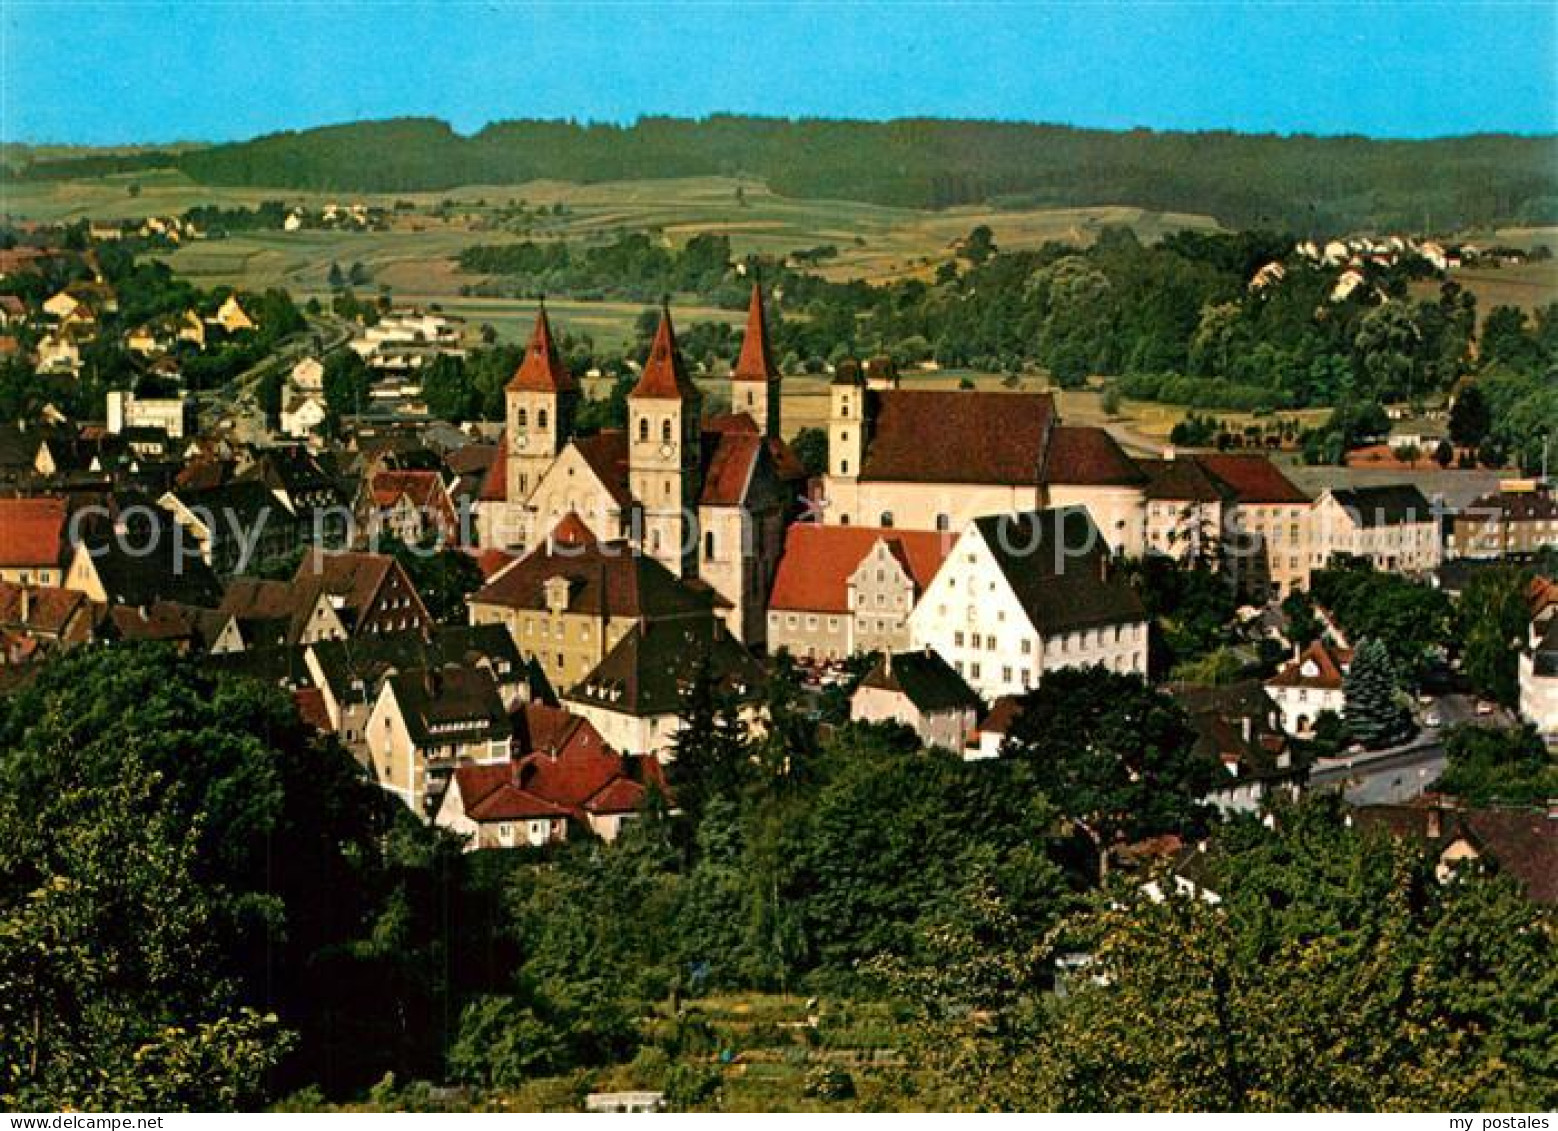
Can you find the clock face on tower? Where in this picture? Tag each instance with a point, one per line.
(667, 450)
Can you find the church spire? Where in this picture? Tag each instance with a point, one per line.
(756, 360)
(543, 370)
(665, 374)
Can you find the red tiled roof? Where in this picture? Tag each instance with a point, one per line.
(571, 531)
(492, 560)
(32, 532)
(311, 708)
(1089, 457)
(732, 462)
(1330, 664)
(543, 370)
(1254, 479)
(756, 360)
(424, 488)
(959, 437)
(814, 572)
(495, 484)
(489, 794)
(665, 374)
(49, 608)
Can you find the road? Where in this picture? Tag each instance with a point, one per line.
(1384, 777)
(239, 398)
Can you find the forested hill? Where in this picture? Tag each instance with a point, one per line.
(1304, 183)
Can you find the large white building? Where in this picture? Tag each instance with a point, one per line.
(1022, 594)
(1393, 526)
(937, 459)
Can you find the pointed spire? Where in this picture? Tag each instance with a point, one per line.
(756, 360)
(665, 374)
(543, 370)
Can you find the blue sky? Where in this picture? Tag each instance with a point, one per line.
(99, 72)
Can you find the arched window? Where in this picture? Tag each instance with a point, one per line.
(643, 428)
(665, 430)
(521, 418)
(844, 411)
(541, 419)
(843, 467)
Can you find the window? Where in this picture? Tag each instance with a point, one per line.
(844, 470)
(708, 544)
(973, 671)
(1006, 675)
(665, 431)
(541, 419)
(521, 419)
(643, 429)
(957, 640)
(943, 522)
(844, 407)
(1027, 646)
(887, 518)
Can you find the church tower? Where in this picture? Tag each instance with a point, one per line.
(665, 434)
(542, 400)
(754, 387)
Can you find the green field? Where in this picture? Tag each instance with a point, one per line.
(415, 258)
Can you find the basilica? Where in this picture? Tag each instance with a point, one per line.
(708, 497)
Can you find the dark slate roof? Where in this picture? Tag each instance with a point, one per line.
(142, 579)
(285, 664)
(368, 658)
(1513, 506)
(644, 674)
(441, 705)
(1056, 563)
(1393, 504)
(242, 501)
(925, 679)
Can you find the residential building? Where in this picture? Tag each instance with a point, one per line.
(573, 599)
(1308, 684)
(302, 414)
(1023, 594)
(173, 414)
(1520, 842)
(1519, 519)
(370, 593)
(411, 507)
(1393, 527)
(1266, 542)
(233, 528)
(921, 691)
(634, 696)
(1188, 509)
(844, 590)
(34, 540)
(1241, 729)
(428, 721)
(563, 777)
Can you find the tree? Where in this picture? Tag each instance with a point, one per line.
(811, 448)
(154, 950)
(443, 578)
(1470, 417)
(346, 383)
(1491, 618)
(979, 245)
(1374, 712)
(712, 754)
(1444, 454)
(1114, 756)
(1487, 766)
(1335, 973)
(1303, 624)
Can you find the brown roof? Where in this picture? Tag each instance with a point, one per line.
(1057, 566)
(311, 708)
(355, 578)
(937, 436)
(1254, 479)
(733, 460)
(604, 580)
(1089, 457)
(607, 454)
(424, 488)
(49, 609)
(1183, 479)
(814, 572)
(1521, 842)
(543, 370)
(665, 373)
(756, 360)
(1330, 667)
(494, 485)
(32, 532)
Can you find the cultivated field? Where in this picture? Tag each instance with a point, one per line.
(415, 258)
(1529, 286)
